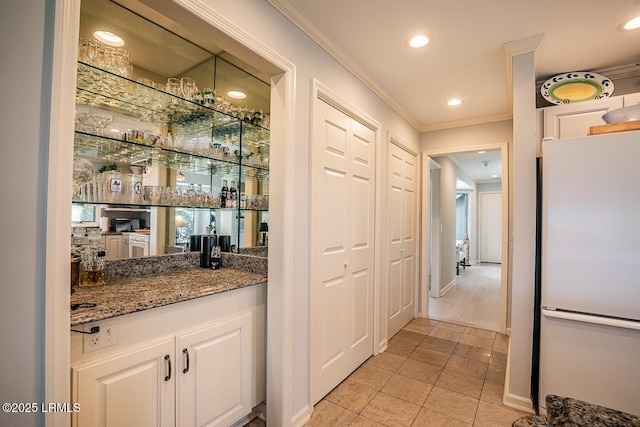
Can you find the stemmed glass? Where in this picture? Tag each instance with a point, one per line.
(102, 121)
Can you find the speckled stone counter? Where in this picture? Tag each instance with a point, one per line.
(131, 294)
(567, 412)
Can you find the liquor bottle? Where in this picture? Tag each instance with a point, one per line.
(224, 193)
(233, 195)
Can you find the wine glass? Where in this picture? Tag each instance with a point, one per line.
(102, 121)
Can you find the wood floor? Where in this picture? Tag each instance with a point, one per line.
(474, 300)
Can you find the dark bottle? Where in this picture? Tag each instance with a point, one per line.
(233, 195)
(224, 193)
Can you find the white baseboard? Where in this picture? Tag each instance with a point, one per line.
(521, 403)
(448, 287)
(302, 417)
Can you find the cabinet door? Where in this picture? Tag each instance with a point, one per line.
(631, 99)
(135, 388)
(113, 244)
(215, 373)
(574, 120)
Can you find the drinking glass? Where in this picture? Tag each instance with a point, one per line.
(188, 88)
(102, 121)
(173, 86)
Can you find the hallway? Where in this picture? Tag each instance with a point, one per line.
(474, 301)
(432, 374)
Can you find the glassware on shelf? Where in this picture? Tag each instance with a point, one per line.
(102, 121)
(188, 88)
(152, 193)
(111, 183)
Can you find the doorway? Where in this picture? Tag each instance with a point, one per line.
(476, 295)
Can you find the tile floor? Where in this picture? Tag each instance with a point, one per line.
(433, 373)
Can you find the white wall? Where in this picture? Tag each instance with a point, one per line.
(25, 39)
(25, 161)
(448, 174)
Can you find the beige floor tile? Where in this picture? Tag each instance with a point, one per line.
(460, 383)
(401, 348)
(502, 347)
(371, 376)
(326, 413)
(485, 343)
(420, 327)
(450, 326)
(498, 358)
(361, 421)
(439, 344)
(492, 393)
(408, 389)
(424, 372)
(425, 321)
(426, 355)
(351, 395)
(489, 415)
(466, 366)
(390, 410)
(495, 374)
(472, 352)
(446, 334)
(456, 405)
(479, 332)
(388, 361)
(409, 336)
(429, 418)
(256, 422)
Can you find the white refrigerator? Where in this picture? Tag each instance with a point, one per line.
(590, 270)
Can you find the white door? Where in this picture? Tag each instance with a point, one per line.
(135, 388)
(491, 227)
(215, 373)
(401, 223)
(342, 247)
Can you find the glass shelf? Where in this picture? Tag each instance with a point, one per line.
(120, 95)
(167, 205)
(96, 147)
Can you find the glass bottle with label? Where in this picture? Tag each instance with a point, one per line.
(224, 193)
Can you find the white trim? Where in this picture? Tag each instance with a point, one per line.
(57, 387)
(426, 164)
(448, 287)
(302, 417)
(280, 302)
(521, 403)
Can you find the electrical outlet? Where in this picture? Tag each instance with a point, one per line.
(106, 336)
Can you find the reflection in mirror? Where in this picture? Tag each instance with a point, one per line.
(155, 55)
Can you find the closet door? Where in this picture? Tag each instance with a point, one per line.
(402, 229)
(342, 247)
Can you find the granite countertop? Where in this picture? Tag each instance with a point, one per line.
(131, 294)
(568, 412)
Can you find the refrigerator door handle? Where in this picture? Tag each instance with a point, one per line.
(598, 320)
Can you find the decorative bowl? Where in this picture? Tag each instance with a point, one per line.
(626, 114)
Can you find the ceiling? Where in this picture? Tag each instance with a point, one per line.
(159, 50)
(466, 58)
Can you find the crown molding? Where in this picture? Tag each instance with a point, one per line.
(467, 122)
(299, 18)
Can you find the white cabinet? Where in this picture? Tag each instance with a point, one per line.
(199, 377)
(134, 388)
(214, 383)
(631, 99)
(574, 120)
(116, 247)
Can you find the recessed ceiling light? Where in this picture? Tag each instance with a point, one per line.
(236, 94)
(631, 24)
(419, 41)
(454, 102)
(494, 176)
(109, 38)
(481, 152)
